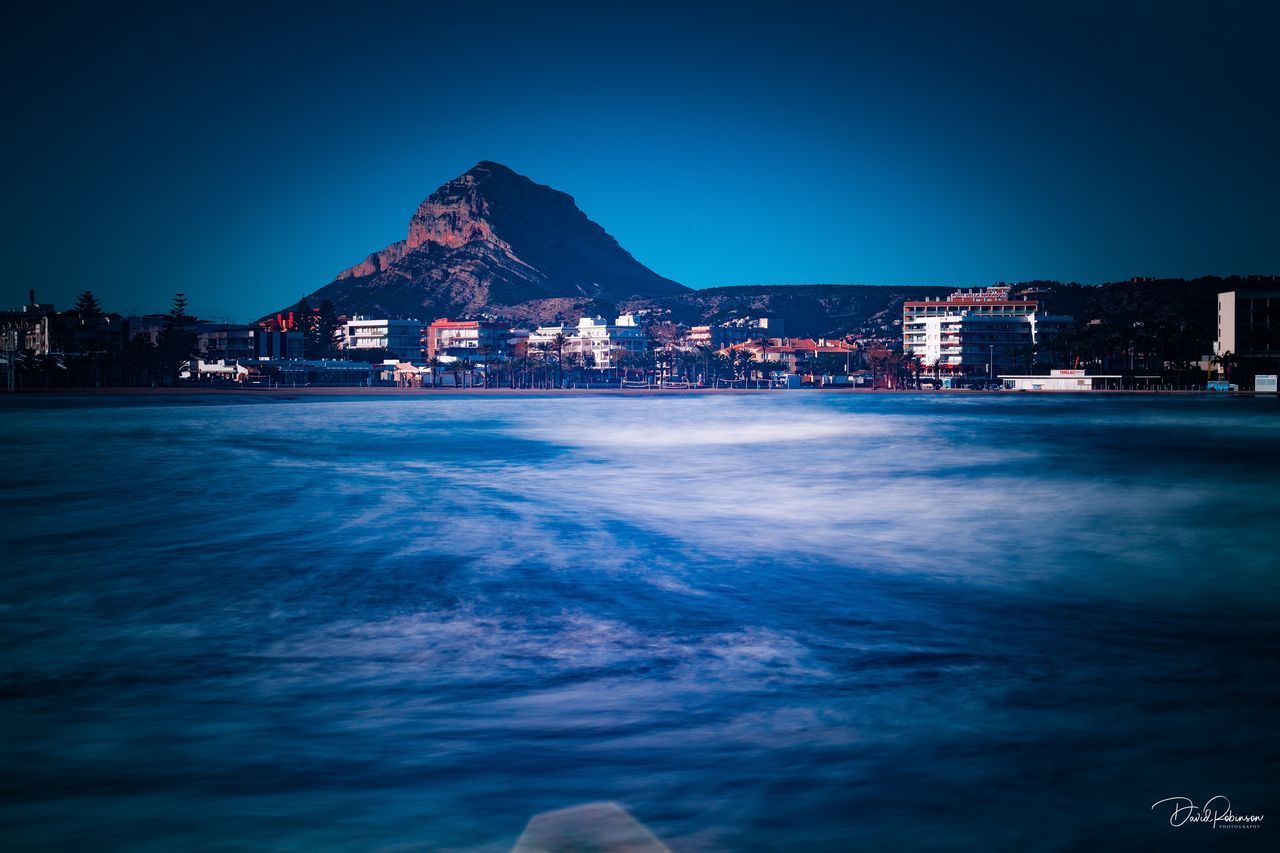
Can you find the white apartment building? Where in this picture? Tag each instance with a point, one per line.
(402, 339)
(594, 336)
(976, 333)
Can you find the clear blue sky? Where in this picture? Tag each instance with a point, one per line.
(245, 156)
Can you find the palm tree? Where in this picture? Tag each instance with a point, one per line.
(912, 364)
(558, 344)
(435, 364)
(744, 358)
(707, 352)
(1225, 364)
(523, 364)
(484, 350)
(500, 364)
(770, 369)
(542, 355)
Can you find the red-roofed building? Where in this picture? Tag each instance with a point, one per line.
(800, 355)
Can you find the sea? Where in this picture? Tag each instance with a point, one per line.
(782, 620)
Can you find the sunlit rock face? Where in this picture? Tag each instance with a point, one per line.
(493, 241)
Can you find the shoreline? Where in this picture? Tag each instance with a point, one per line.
(361, 392)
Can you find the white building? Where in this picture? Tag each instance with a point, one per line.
(595, 337)
(604, 342)
(402, 339)
(976, 332)
(1061, 380)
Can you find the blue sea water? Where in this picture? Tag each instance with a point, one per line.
(785, 621)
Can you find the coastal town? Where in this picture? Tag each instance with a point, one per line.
(999, 337)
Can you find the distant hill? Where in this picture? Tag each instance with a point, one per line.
(1188, 306)
(494, 242)
(827, 310)
(1189, 302)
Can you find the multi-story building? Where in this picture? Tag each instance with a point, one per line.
(604, 342)
(1249, 324)
(976, 332)
(81, 332)
(31, 327)
(402, 339)
(450, 339)
(289, 346)
(227, 343)
(736, 332)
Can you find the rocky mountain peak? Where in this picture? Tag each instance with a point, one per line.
(489, 238)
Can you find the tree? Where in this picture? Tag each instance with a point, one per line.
(435, 364)
(880, 361)
(87, 304)
(319, 328)
(913, 364)
(484, 351)
(743, 359)
(558, 344)
(770, 369)
(324, 338)
(465, 366)
(141, 362)
(574, 361)
(707, 353)
(177, 339)
(542, 355)
(303, 317)
(1225, 364)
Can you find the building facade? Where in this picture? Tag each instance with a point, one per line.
(452, 339)
(802, 355)
(401, 339)
(603, 342)
(30, 327)
(228, 343)
(736, 332)
(1249, 324)
(1062, 380)
(976, 332)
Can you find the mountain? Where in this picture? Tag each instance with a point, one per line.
(494, 242)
